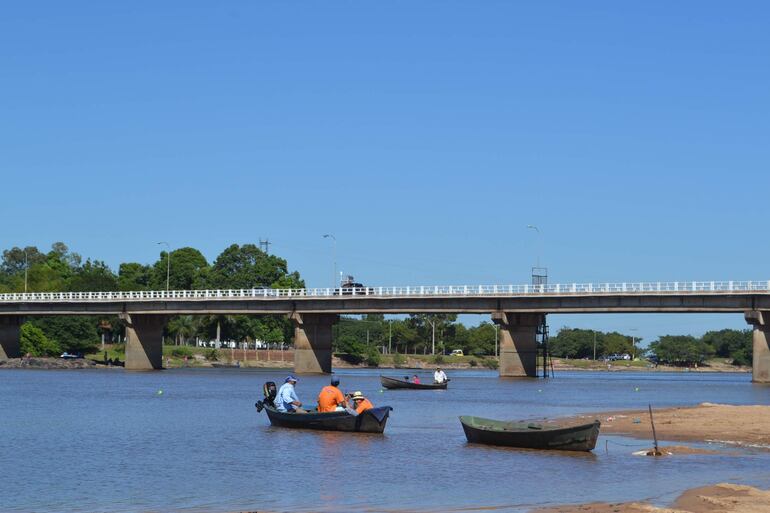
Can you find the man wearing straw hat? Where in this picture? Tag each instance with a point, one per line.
(361, 403)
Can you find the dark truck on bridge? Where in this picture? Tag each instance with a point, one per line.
(350, 287)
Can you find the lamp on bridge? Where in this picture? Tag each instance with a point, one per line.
(168, 263)
(334, 275)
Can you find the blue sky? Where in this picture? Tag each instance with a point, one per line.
(425, 136)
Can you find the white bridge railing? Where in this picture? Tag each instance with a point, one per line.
(569, 289)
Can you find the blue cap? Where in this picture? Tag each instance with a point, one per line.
(290, 378)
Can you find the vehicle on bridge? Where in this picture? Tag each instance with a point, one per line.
(350, 287)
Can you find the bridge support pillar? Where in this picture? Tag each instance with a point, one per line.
(10, 336)
(760, 363)
(313, 342)
(144, 341)
(518, 343)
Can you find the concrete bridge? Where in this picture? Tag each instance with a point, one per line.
(517, 309)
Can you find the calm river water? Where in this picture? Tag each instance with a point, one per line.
(107, 441)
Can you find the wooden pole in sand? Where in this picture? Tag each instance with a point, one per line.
(656, 452)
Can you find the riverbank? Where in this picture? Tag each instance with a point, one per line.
(48, 363)
(719, 498)
(706, 422)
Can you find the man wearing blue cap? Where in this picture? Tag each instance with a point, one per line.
(287, 399)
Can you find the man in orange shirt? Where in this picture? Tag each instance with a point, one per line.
(361, 403)
(330, 398)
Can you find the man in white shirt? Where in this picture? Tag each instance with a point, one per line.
(287, 400)
(439, 376)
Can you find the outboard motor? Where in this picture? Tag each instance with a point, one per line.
(270, 391)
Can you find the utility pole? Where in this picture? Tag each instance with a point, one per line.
(334, 276)
(26, 268)
(168, 263)
(390, 334)
(594, 344)
(264, 245)
(433, 337)
(633, 344)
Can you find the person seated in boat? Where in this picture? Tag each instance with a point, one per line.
(439, 376)
(415, 379)
(361, 403)
(286, 400)
(331, 398)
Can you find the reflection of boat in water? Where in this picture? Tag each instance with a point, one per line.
(220, 365)
(370, 421)
(531, 435)
(400, 383)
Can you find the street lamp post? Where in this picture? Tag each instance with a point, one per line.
(633, 345)
(334, 241)
(533, 227)
(433, 337)
(26, 268)
(168, 263)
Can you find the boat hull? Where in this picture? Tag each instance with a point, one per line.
(370, 421)
(580, 437)
(392, 383)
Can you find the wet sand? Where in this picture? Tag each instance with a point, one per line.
(706, 422)
(720, 498)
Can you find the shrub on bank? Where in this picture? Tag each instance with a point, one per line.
(491, 363)
(398, 360)
(212, 355)
(438, 359)
(373, 357)
(35, 343)
(473, 363)
(181, 352)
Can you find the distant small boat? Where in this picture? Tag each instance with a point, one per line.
(370, 421)
(400, 383)
(531, 435)
(221, 365)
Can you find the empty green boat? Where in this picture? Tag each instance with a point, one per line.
(531, 435)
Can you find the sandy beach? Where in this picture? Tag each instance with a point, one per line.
(720, 498)
(706, 422)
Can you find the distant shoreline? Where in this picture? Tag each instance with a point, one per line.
(411, 364)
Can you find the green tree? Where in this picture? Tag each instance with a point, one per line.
(183, 327)
(73, 334)
(134, 276)
(481, 339)
(683, 350)
(93, 277)
(188, 270)
(737, 345)
(15, 259)
(425, 325)
(35, 343)
(246, 267)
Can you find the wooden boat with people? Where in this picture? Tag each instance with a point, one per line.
(370, 421)
(392, 383)
(531, 435)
